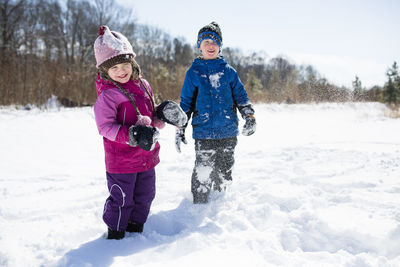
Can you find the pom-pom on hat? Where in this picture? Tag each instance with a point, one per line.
(210, 31)
(111, 45)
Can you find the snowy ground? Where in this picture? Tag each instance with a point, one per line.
(317, 185)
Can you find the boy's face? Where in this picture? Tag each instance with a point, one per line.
(121, 72)
(209, 49)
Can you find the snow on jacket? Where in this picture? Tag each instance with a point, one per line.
(114, 114)
(212, 90)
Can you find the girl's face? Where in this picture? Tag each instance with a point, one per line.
(209, 49)
(121, 72)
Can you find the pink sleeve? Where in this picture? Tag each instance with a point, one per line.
(105, 112)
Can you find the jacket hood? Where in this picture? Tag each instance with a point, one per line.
(213, 63)
(102, 85)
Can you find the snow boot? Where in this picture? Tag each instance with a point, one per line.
(114, 234)
(134, 227)
(218, 185)
(200, 198)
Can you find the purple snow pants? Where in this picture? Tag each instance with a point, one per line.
(130, 198)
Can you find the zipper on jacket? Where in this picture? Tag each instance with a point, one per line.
(123, 120)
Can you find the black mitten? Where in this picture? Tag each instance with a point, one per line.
(247, 113)
(180, 138)
(246, 110)
(143, 136)
(170, 112)
(250, 126)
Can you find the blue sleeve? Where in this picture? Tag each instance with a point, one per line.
(238, 91)
(187, 93)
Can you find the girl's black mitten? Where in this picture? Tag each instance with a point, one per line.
(170, 112)
(143, 136)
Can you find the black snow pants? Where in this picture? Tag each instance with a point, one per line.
(213, 166)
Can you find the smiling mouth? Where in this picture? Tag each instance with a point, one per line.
(123, 76)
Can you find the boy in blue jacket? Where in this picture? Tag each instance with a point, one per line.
(211, 93)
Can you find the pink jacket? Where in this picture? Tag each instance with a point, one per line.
(114, 114)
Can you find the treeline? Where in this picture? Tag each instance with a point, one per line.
(46, 48)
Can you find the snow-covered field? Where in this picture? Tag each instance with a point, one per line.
(317, 185)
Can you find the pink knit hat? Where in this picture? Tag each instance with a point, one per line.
(110, 44)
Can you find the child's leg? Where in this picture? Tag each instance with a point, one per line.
(203, 168)
(224, 161)
(119, 204)
(145, 191)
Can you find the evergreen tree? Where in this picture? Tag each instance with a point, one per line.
(357, 90)
(253, 83)
(392, 87)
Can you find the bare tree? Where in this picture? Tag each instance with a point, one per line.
(11, 16)
(49, 18)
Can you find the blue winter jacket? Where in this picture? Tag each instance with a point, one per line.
(211, 91)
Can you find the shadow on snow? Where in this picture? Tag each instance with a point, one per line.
(161, 228)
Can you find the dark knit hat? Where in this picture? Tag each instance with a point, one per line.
(210, 31)
(116, 60)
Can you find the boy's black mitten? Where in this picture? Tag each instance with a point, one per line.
(180, 138)
(170, 112)
(144, 136)
(250, 126)
(247, 113)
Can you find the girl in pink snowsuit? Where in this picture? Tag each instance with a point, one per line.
(124, 113)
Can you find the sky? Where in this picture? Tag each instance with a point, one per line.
(341, 38)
